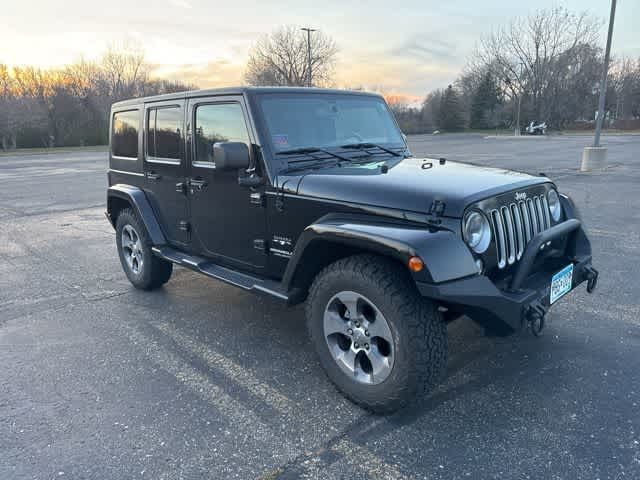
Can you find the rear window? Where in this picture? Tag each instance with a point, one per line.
(163, 137)
(124, 139)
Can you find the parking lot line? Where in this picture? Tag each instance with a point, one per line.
(238, 373)
(236, 414)
(354, 454)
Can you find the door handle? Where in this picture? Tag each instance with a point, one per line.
(152, 176)
(181, 187)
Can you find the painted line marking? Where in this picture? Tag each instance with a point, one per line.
(233, 370)
(240, 417)
(356, 455)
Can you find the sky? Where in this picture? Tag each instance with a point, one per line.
(403, 47)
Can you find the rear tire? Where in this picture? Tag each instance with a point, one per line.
(379, 293)
(143, 269)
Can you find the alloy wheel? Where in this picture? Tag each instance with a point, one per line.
(358, 337)
(132, 249)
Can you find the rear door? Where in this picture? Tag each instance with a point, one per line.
(164, 167)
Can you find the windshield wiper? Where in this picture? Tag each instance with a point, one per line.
(303, 150)
(364, 145)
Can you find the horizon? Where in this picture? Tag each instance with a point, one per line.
(429, 51)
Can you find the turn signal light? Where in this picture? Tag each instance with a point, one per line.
(416, 264)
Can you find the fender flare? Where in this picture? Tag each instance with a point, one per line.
(445, 255)
(139, 202)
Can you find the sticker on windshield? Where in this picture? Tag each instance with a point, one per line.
(281, 140)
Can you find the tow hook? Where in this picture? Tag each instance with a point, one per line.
(535, 316)
(592, 278)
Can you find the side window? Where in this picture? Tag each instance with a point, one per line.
(222, 122)
(164, 132)
(124, 138)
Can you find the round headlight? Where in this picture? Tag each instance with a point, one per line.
(476, 231)
(554, 205)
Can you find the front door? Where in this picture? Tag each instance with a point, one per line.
(226, 224)
(164, 168)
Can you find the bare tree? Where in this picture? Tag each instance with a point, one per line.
(124, 70)
(625, 80)
(7, 105)
(70, 105)
(532, 53)
(280, 58)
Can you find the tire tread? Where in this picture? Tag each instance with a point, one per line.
(427, 331)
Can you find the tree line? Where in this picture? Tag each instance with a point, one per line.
(549, 64)
(69, 106)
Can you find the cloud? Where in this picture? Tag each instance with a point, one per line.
(426, 48)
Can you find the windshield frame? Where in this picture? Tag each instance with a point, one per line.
(280, 162)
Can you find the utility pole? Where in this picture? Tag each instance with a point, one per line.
(308, 30)
(603, 83)
(596, 155)
(517, 132)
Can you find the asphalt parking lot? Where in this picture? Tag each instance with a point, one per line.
(201, 380)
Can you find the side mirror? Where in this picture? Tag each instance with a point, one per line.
(230, 155)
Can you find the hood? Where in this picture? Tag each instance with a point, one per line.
(412, 184)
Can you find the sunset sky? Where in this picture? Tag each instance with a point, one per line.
(406, 47)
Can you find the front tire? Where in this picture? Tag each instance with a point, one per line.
(381, 343)
(143, 269)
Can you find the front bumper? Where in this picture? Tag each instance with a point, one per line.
(524, 294)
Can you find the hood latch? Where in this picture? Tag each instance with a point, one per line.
(436, 210)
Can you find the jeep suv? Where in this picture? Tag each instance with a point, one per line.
(313, 195)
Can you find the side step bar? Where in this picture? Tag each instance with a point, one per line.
(227, 275)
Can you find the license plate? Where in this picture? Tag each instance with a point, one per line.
(561, 283)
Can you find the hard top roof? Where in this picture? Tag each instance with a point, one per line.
(234, 91)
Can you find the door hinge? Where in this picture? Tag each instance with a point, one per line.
(256, 198)
(259, 244)
(184, 226)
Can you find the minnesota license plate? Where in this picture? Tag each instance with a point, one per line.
(561, 283)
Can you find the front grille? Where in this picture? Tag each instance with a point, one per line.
(514, 226)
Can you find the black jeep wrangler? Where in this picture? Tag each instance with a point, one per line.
(310, 194)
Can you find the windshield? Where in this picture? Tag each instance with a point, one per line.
(327, 120)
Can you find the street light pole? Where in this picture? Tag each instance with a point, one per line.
(308, 30)
(516, 132)
(595, 156)
(603, 83)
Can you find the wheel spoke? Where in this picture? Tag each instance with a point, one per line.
(350, 301)
(381, 367)
(379, 328)
(333, 323)
(348, 359)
